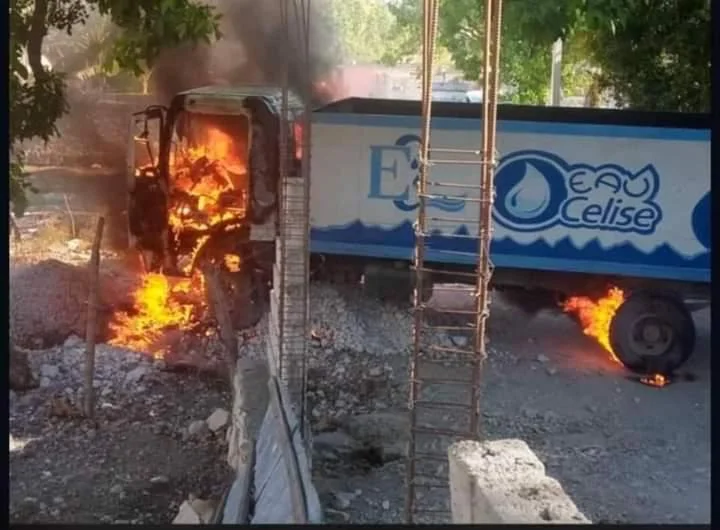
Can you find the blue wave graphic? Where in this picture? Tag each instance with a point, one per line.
(403, 235)
(445, 204)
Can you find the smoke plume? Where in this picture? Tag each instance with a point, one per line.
(251, 49)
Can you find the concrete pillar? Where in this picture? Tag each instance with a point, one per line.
(504, 482)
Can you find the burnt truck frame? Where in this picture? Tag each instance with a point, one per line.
(148, 188)
(154, 133)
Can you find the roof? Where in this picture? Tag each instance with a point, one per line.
(272, 94)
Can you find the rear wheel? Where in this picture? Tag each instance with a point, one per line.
(652, 333)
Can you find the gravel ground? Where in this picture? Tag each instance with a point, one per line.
(146, 451)
(625, 452)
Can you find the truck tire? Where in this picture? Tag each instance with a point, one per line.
(652, 333)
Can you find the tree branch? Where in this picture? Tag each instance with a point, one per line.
(37, 33)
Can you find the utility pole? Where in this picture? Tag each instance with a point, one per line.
(556, 74)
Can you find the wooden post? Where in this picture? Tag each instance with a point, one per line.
(91, 324)
(73, 227)
(219, 305)
(14, 228)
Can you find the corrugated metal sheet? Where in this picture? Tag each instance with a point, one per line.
(282, 490)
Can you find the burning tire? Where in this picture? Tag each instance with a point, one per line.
(652, 333)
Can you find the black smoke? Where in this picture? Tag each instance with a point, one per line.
(251, 49)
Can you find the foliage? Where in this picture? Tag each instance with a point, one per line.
(37, 93)
(652, 54)
(366, 31)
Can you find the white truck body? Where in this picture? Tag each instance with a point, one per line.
(576, 197)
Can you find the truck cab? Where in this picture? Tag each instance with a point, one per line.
(203, 176)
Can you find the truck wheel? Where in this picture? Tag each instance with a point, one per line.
(652, 333)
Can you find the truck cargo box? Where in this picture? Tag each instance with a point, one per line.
(577, 190)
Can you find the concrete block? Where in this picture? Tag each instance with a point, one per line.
(504, 482)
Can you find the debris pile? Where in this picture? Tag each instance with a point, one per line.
(48, 302)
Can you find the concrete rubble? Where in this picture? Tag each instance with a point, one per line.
(195, 511)
(504, 482)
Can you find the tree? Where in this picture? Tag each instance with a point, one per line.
(37, 94)
(651, 54)
(367, 31)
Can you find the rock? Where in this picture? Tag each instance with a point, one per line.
(117, 489)
(204, 509)
(135, 375)
(218, 419)
(337, 442)
(343, 499)
(73, 341)
(543, 358)
(460, 341)
(386, 505)
(375, 371)
(45, 382)
(387, 431)
(49, 370)
(21, 376)
(159, 479)
(76, 245)
(186, 515)
(197, 428)
(551, 371)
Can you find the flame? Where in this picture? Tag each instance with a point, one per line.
(298, 137)
(208, 182)
(207, 186)
(656, 380)
(595, 316)
(233, 262)
(159, 308)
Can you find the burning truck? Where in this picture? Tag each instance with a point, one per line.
(602, 213)
(203, 178)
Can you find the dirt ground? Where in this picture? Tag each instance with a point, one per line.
(134, 464)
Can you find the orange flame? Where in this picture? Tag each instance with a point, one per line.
(656, 380)
(298, 138)
(208, 185)
(595, 316)
(207, 174)
(159, 308)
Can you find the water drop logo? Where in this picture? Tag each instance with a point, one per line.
(530, 197)
(701, 221)
(537, 190)
(530, 191)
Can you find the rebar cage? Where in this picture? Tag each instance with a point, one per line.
(289, 300)
(449, 343)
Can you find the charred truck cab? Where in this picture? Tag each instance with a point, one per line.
(203, 180)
